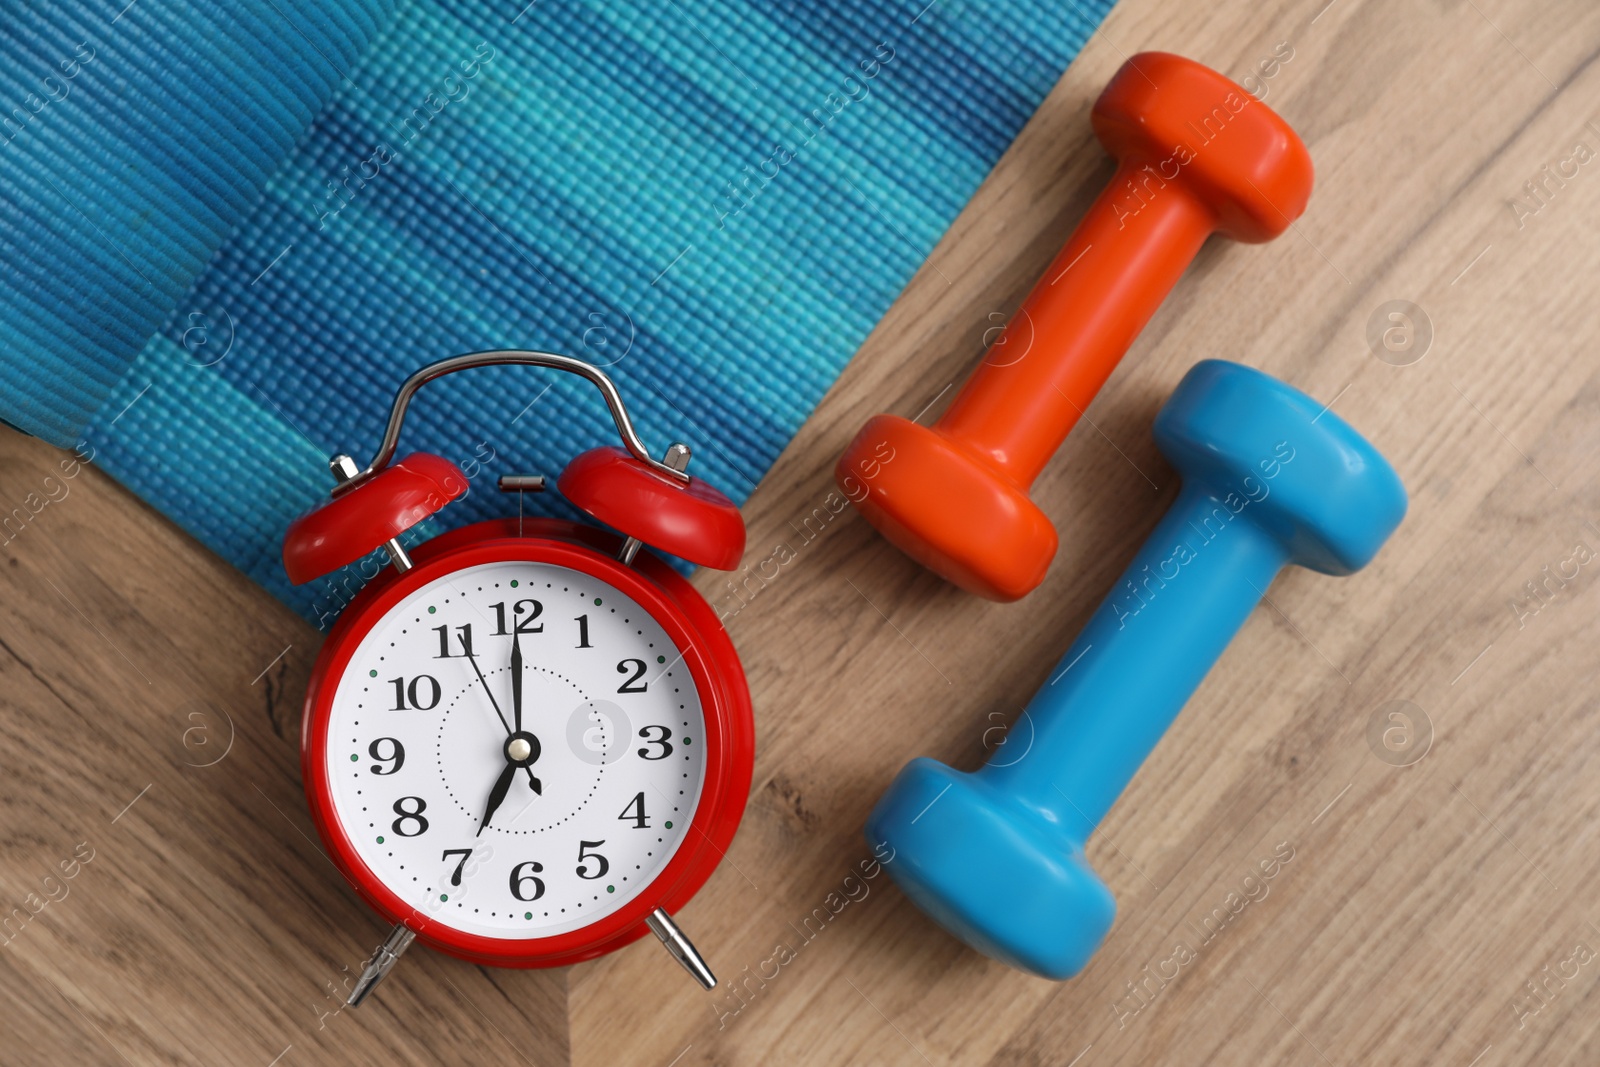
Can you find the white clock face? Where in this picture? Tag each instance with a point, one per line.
(586, 802)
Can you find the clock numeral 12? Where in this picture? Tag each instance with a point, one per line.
(523, 626)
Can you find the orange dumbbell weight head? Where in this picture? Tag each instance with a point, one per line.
(1197, 155)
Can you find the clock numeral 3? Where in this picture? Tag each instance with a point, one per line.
(423, 691)
(637, 667)
(413, 816)
(519, 881)
(584, 855)
(664, 741)
(396, 756)
(533, 610)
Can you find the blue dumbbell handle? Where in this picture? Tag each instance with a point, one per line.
(1137, 662)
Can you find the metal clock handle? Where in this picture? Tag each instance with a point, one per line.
(341, 464)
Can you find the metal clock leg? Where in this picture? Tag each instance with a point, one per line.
(681, 948)
(383, 961)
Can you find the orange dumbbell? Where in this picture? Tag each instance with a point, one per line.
(1198, 155)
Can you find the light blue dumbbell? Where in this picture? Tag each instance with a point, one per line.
(1270, 477)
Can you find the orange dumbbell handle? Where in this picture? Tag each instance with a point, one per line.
(1063, 343)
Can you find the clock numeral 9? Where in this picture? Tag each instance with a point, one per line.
(396, 756)
(423, 690)
(413, 816)
(637, 667)
(664, 741)
(584, 855)
(523, 626)
(519, 880)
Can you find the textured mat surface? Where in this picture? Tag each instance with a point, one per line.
(132, 139)
(716, 200)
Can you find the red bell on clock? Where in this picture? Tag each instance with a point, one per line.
(372, 514)
(525, 743)
(693, 521)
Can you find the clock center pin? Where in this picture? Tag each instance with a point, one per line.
(522, 748)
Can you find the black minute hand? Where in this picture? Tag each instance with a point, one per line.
(516, 683)
(487, 691)
(532, 781)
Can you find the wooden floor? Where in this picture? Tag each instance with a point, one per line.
(1440, 912)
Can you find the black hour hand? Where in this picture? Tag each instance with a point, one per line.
(502, 785)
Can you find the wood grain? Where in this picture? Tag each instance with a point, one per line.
(1418, 902)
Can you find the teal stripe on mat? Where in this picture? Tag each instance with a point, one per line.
(716, 199)
(133, 137)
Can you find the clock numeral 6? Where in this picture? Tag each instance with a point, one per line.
(423, 690)
(411, 816)
(396, 756)
(584, 855)
(664, 741)
(637, 667)
(520, 880)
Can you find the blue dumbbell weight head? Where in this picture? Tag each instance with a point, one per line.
(1270, 477)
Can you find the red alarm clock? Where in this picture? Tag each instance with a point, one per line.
(525, 743)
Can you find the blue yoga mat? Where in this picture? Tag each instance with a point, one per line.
(231, 230)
